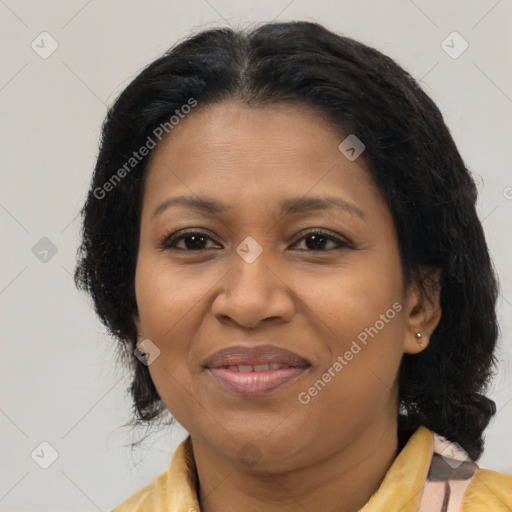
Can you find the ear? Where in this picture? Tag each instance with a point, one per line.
(422, 309)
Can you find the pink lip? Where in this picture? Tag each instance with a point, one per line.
(259, 354)
(255, 383)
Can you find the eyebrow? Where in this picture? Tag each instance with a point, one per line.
(287, 206)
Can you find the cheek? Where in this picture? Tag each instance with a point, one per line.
(355, 383)
(353, 297)
(166, 295)
(364, 334)
(362, 321)
(171, 303)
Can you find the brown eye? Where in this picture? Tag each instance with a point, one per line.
(317, 241)
(196, 241)
(192, 241)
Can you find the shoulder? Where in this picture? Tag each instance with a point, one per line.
(488, 490)
(174, 489)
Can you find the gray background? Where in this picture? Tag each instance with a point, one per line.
(60, 383)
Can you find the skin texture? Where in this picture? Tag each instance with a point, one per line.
(313, 302)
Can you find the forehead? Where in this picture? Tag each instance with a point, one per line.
(243, 153)
(296, 129)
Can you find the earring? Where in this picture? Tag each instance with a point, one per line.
(418, 339)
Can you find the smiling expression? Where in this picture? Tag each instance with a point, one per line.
(327, 267)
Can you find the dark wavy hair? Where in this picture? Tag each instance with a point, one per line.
(410, 154)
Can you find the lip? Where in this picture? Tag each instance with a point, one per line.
(254, 383)
(258, 354)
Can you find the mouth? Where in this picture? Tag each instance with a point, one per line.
(253, 371)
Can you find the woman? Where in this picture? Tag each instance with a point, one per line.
(282, 235)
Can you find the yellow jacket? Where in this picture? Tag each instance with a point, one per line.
(428, 475)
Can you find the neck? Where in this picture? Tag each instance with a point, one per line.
(327, 484)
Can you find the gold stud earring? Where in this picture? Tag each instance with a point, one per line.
(418, 339)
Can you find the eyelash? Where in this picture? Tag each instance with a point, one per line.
(169, 241)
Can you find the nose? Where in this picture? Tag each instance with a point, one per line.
(253, 293)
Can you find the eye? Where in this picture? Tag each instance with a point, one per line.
(317, 240)
(192, 241)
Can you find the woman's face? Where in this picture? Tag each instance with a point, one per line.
(276, 344)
